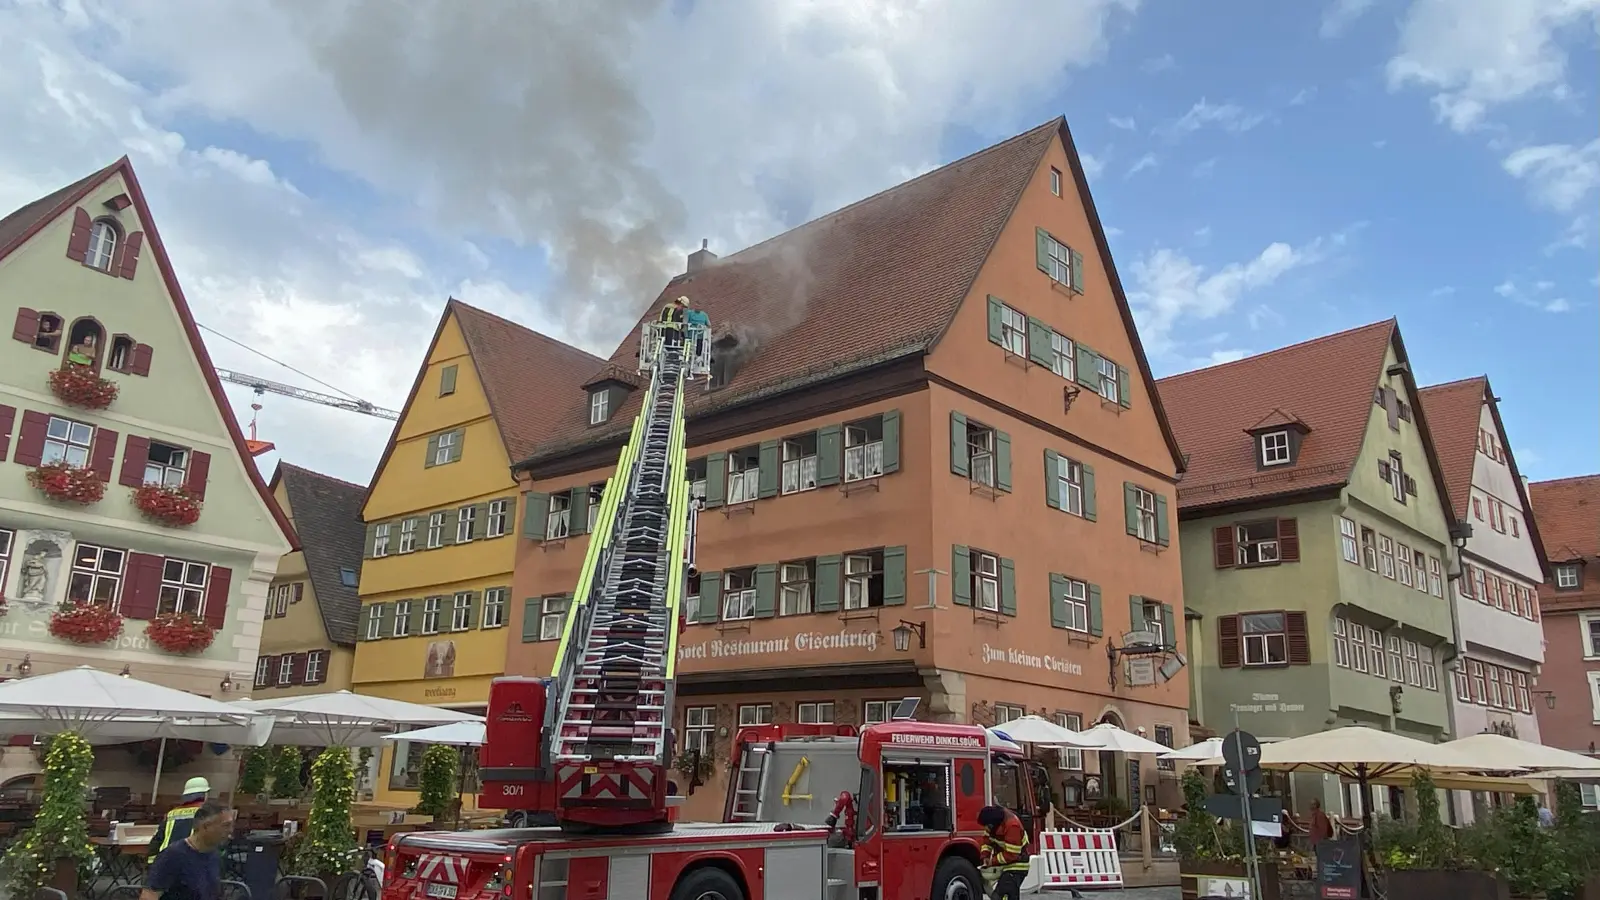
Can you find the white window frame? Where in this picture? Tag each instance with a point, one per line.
(1358, 647)
(1396, 659)
(700, 730)
(435, 538)
(1594, 696)
(494, 608)
(1413, 669)
(1370, 564)
(799, 468)
(313, 667)
(441, 451)
(1402, 558)
(1055, 181)
(597, 495)
(1435, 577)
(408, 536)
(461, 611)
(1275, 448)
(1058, 258)
(744, 485)
(1013, 331)
(1375, 655)
(1063, 358)
(263, 671)
(1430, 673)
(863, 458)
(102, 245)
(499, 511)
(380, 540)
(286, 670)
(1397, 479)
(817, 713)
(1419, 567)
(188, 590)
(1266, 549)
(794, 589)
(599, 407)
(1071, 758)
(466, 517)
(1069, 485)
(1109, 389)
(552, 617)
(1567, 575)
(986, 582)
(558, 521)
(1587, 623)
(858, 571)
(738, 603)
(100, 572)
(1341, 644)
(1265, 648)
(981, 454)
(170, 474)
(1480, 692)
(431, 607)
(1349, 543)
(1076, 602)
(1145, 502)
(402, 619)
(755, 714)
(1386, 556)
(374, 623)
(877, 712)
(67, 440)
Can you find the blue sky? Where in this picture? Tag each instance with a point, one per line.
(1270, 172)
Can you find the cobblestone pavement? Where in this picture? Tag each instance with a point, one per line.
(1151, 893)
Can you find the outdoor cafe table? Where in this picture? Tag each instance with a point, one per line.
(121, 861)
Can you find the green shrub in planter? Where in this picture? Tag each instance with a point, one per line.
(257, 765)
(286, 763)
(325, 847)
(438, 780)
(59, 832)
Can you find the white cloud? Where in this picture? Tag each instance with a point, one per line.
(1092, 165)
(1124, 123)
(1303, 96)
(1169, 288)
(1204, 168)
(1218, 357)
(1158, 64)
(1443, 291)
(1147, 161)
(1340, 14)
(1226, 116)
(1559, 175)
(1511, 291)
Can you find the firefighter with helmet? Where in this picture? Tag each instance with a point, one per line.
(1004, 854)
(179, 820)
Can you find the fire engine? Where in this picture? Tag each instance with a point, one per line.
(812, 812)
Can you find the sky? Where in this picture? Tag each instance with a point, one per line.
(325, 174)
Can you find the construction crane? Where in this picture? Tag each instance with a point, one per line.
(262, 386)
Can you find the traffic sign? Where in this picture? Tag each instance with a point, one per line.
(1252, 781)
(1241, 751)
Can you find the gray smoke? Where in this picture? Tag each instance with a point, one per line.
(782, 279)
(521, 123)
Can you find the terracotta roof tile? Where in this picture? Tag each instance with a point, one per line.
(1568, 512)
(21, 224)
(1327, 383)
(1454, 412)
(327, 515)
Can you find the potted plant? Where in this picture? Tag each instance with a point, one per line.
(286, 763)
(179, 632)
(1424, 859)
(325, 848)
(85, 623)
(80, 386)
(695, 766)
(55, 851)
(253, 777)
(1208, 846)
(66, 483)
(437, 789)
(167, 505)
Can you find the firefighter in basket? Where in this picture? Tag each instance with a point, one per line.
(1004, 854)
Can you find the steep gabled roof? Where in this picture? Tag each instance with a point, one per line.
(878, 280)
(17, 228)
(1568, 510)
(327, 514)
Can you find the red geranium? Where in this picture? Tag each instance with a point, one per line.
(61, 480)
(80, 386)
(180, 633)
(85, 623)
(167, 505)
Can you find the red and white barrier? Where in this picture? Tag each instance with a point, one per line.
(1076, 859)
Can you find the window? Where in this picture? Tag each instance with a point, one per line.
(496, 526)
(1275, 448)
(1386, 555)
(166, 465)
(1591, 635)
(102, 245)
(1071, 759)
(597, 493)
(314, 667)
(183, 586)
(494, 608)
(448, 448)
(744, 475)
(558, 522)
(96, 575)
(461, 611)
(800, 463)
(1347, 541)
(1567, 576)
(1463, 690)
(1069, 482)
(1266, 639)
(1397, 477)
(985, 581)
(1375, 644)
(1435, 577)
(1163, 734)
(738, 594)
(694, 472)
(1369, 549)
(599, 406)
(755, 714)
(1480, 693)
(1480, 584)
(380, 539)
(552, 616)
(402, 618)
(1403, 563)
(1496, 699)
(795, 580)
(1109, 389)
(408, 535)
(447, 380)
(1075, 605)
(1594, 697)
(1413, 671)
(1430, 675)
(1062, 360)
(1341, 645)
(435, 530)
(1146, 505)
(278, 600)
(863, 580)
(1419, 562)
(1058, 260)
(1256, 542)
(6, 537)
(1013, 331)
(1524, 700)
(121, 353)
(814, 713)
(1151, 611)
(980, 453)
(1396, 670)
(286, 669)
(863, 449)
(1590, 793)
(1358, 647)
(430, 614)
(374, 622)
(876, 712)
(263, 671)
(700, 729)
(67, 440)
(1515, 531)
(466, 516)
(1055, 181)
(1477, 509)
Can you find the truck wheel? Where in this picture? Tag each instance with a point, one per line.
(957, 879)
(708, 884)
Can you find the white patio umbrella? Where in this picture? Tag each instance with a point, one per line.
(344, 719)
(456, 734)
(1040, 731)
(1107, 736)
(1491, 752)
(1202, 753)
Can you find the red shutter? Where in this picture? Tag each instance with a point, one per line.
(141, 586)
(135, 453)
(1228, 645)
(1465, 585)
(130, 253)
(199, 469)
(30, 438)
(297, 668)
(78, 243)
(27, 327)
(139, 361)
(1299, 638)
(217, 596)
(8, 418)
(102, 453)
(1289, 540)
(1226, 554)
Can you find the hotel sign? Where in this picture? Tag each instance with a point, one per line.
(800, 642)
(1013, 656)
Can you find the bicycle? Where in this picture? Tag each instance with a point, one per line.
(366, 883)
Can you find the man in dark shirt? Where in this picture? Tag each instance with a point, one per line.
(191, 869)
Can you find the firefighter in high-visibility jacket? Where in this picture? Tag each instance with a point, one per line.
(1004, 854)
(179, 820)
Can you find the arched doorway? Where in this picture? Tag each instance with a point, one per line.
(1112, 782)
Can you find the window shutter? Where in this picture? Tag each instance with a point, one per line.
(1002, 457)
(1228, 647)
(894, 576)
(298, 592)
(961, 575)
(710, 596)
(102, 453)
(447, 534)
(217, 587)
(139, 364)
(135, 452)
(386, 619)
(1039, 342)
(1096, 613)
(460, 446)
(480, 521)
(1052, 479)
(1041, 249)
(579, 515)
(141, 586)
(1076, 260)
(766, 590)
(1130, 507)
(447, 381)
(1089, 510)
(473, 599)
(1299, 640)
(297, 667)
(1289, 540)
(891, 441)
(432, 452)
(830, 453)
(8, 418)
(1124, 389)
(531, 608)
(1008, 587)
(535, 515)
(1225, 555)
(199, 471)
(996, 322)
(716, 479)
(767, 481)
(958, 445)
(129, 253)
(1087, 368)
(27, 325)
(1137, 621)
(30, 438)
(1163, 528)
(1058, 601)
(372, 538)
(830, 583)
(78, 239)
(1169, 631)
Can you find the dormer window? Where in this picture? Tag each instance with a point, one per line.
(599, 406)
(1569, 577)
(1275, 448)
(102, 245)
(1277, 438)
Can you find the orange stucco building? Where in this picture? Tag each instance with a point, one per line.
(928, 411)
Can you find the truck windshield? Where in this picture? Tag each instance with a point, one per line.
(867, 805)
(1007, 783)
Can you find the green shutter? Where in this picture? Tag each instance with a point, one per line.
(767, 481)
(1136, 617)
(459, 445)
(447, 380)
(372, 537)
(1041, 250)
(480, 520)
(1096, 618)
(958, 445)
(891, 441)
(1130, 507)
(1052, 479)
(1088, 368)
(366, 621)
(1089, 511)
(1058, 601)
(1002, 458)
(531, 608)
(1124, 389)
(996, 322)
(1168, 632)
(766, 590)
(830, 454)
(535, 515)
(432, 452)
(1076, 260)
(894, 576)
(1163, 536)
(386, 619)
(716, 479)
(1008, 587)
(474, 598)
(830, 584)
(578, 517)
(710, 596)
(1039, 342)
(450, 517)
(961, 575)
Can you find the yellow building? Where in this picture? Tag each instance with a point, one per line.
(308, 631)
(435, 586)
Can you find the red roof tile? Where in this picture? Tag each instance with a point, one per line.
(1568, 513)
(1454, 412)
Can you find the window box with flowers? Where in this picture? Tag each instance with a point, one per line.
(86, 623)
(82, 387)
(167, 505)
(179, 632)
(63, 481)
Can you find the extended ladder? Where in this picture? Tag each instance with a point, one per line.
(749, 780)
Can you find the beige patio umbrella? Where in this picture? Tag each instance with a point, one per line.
(1449, 781)
(1491, 752)
(1106, 736)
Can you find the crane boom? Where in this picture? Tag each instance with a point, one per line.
(263, 385)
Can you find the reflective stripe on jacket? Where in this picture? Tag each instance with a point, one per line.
(177, 825)
(1008, 844)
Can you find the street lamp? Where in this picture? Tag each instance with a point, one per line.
(25, 668)
(227, 682)
(1549, 698)
(127, 671)
(902, 635)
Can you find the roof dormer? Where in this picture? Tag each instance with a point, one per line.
(1276, 439)
(607, 392)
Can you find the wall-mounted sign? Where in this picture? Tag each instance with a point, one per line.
(1266, 703)
(440, 661)
(802, 642)
(1015, 657)
(1141, 671)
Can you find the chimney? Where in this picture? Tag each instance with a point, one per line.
(701, 258)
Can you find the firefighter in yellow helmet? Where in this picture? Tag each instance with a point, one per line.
(180, 819)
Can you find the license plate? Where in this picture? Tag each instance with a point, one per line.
(442, 891)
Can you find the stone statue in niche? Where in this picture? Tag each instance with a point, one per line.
(38, 579)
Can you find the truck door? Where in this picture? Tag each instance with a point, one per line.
(1039, 780)
(1011, 791)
